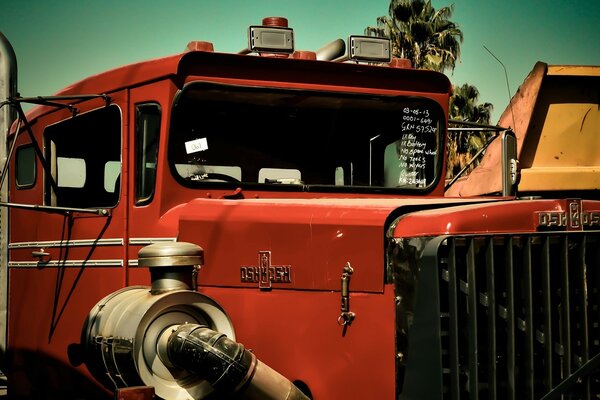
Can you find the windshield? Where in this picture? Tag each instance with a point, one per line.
(308, 140)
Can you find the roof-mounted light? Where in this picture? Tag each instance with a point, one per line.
(273, 36)
(369, 48)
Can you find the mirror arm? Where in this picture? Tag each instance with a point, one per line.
(466, 167)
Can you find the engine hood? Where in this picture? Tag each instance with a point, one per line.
(504, 217)
(295, 244)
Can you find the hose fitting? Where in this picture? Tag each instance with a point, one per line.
(227, 365)
(210, 355)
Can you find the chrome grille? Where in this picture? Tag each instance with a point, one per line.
(519, 316)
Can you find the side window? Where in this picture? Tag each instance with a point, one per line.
(84, 153)
(25, 167)
(147, 132)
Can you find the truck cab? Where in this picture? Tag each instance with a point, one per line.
(294, 202)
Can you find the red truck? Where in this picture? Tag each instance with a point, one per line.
(273, 225)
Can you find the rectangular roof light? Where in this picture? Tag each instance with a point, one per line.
(369, 48)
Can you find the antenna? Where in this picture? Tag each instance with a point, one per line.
(507, 85)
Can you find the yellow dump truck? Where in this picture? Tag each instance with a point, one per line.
(555, 115)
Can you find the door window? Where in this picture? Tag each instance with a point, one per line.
(84, 153)
(147, 131)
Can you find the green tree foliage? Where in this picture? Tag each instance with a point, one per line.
(464, 107)
(430, 40)
(463, 145)
(420, 33)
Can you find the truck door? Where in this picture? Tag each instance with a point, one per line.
(63, 259)
(148, 171)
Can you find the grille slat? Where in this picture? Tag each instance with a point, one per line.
(491, 319)
(547, 310)
(453, 313)
(582, 357)
(529, 325)
(565, 309)
(472, 300)
(510, 321)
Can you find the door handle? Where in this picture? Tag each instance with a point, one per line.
(41, 255)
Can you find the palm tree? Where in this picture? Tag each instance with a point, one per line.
(421, 34)
(429, 39)
(463, 105)
(463, 145)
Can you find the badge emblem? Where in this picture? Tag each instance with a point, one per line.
(574, 218)
(266, 274)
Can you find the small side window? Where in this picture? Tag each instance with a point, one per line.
(147, 133)
(25, 167)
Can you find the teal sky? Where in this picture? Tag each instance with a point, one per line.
(58, 42)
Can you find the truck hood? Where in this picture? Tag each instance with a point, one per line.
(295, 243)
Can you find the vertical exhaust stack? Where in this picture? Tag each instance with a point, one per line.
(332, 50)
(173, 338)
(8, 89)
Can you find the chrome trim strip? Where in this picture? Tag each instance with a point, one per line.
(133, 263)
(67, 243)
(67, 263)
(147, 241)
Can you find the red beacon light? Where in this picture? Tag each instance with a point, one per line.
(304, 55)
(200, 46)
(400, 63)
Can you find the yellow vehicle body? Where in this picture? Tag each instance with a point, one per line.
(555, 115)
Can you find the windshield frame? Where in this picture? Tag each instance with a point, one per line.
(294, 185)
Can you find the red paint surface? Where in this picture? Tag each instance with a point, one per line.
(512, 216)
(293, 328)
(296, 333)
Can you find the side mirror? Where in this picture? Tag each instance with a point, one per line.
(511, 172)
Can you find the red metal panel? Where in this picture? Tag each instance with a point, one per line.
(498, 217)
(297, 334)
(49, 302)
(316, 238)
(47, 311)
